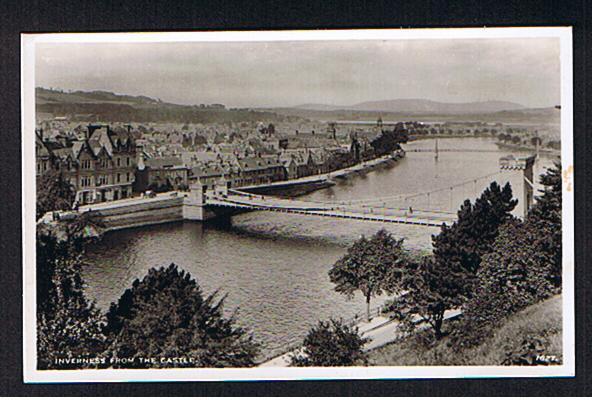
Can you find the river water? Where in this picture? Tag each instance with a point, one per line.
(274, 266)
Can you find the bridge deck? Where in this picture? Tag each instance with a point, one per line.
(365, 213)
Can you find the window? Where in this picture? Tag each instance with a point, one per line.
(118, 178)
(127, 177)
(128, 161)
(118, 161)
(85, 181)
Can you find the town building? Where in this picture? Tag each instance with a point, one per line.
(162, 174)
(100, 165)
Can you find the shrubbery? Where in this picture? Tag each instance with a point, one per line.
(524, 266)
(330, 344)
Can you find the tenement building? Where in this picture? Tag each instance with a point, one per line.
(100, 164)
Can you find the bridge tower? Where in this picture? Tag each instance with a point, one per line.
(194, 203)
(527, 166)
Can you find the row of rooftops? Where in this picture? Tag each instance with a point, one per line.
(215, 164)
(97, 140)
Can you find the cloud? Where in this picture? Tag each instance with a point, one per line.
(251, 74)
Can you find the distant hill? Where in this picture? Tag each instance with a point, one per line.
(107, 106)
(421, 106)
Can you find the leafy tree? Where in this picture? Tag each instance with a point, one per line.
(330, 344)
(536, 140)
(370, 266)
(389, 141)
(446, 280)
(524, 266)
(513, 276)
(461, 246)
(68, 325)
(429, 290)
(166, 315)
(545, 218)
(54, 192)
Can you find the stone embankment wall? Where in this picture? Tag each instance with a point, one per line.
(142, 213)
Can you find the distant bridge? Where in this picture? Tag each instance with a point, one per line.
(451, 151)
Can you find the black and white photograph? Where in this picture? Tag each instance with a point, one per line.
(265, 205)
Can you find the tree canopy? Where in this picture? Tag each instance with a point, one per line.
(68, 325)
(330, 344)
(523, 267)
(446, 280)
(371, 266)
(166, 315)
(54, 192)
(460, 247)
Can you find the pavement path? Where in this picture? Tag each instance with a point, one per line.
(380, 331)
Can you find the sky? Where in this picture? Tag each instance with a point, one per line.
(278, 74)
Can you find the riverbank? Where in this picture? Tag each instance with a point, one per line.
(308, 184)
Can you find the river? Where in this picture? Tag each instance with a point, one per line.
(274, 266)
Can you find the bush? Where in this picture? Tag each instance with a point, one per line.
(330, 344)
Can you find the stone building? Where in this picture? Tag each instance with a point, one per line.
(100, 165)
(161, 174)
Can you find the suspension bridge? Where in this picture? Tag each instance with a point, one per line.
(429, 208)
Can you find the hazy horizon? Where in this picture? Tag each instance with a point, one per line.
(287, 74)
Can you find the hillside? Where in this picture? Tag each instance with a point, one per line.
(538, 326)
(538, 116)
(112, 107)
(420, 107)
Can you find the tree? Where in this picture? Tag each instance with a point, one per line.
(536, 140)
(512, 277)
(462, 245)
(370, 266)
(54, 192)
(330, 344)
(429, 289)
(166, 315)
(523, 267)
(446, 280)
(545, 218)
(68, 325)
(389, 141)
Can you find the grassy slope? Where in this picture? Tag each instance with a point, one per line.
(542, 320)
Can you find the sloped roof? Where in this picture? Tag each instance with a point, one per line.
(164, 162)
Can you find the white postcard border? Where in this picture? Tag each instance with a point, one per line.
(31, 375)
